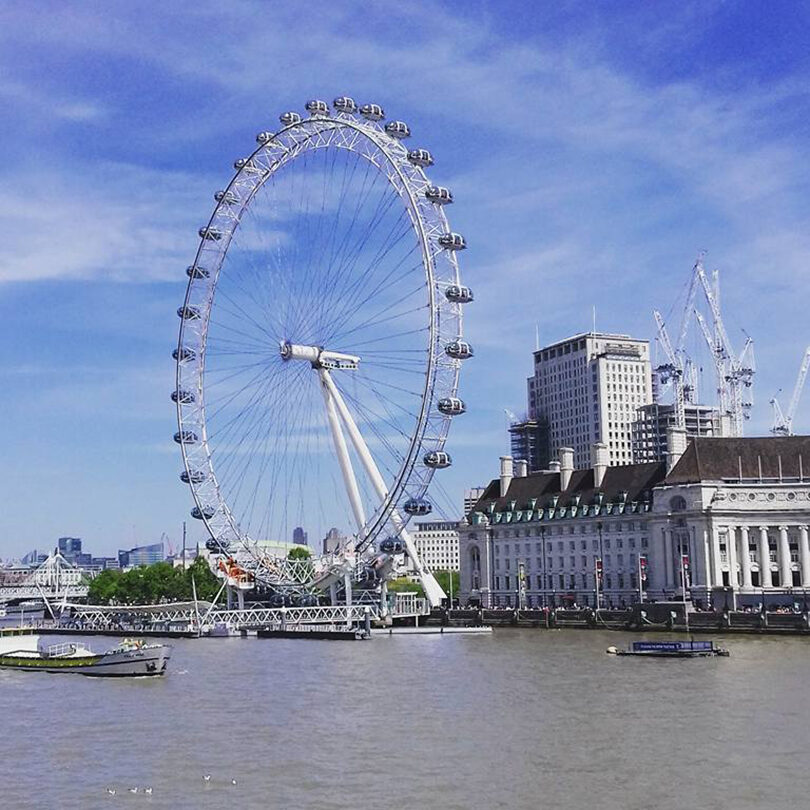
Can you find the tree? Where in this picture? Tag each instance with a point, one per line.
(403, 584)
(299, 553)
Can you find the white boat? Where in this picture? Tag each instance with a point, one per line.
(131, 658)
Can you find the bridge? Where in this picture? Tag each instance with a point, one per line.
(55, 581)
(202, 617)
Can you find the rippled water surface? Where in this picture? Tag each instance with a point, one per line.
(534, 719)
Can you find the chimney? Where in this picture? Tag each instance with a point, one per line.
(506, 473)
(600, 458)
(553, 466)
(676, 445)
(521, 468)
(566, 467)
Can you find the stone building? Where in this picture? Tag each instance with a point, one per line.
(583, 390)
(726, 518)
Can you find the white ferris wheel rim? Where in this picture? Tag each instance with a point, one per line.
(408, 180)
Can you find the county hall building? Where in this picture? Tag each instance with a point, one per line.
(723, 519)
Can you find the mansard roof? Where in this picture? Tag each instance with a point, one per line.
(636, 480)
(751, 459)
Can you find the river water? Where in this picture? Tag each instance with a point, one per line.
(518, 719)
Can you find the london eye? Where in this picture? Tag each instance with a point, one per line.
(320, 344)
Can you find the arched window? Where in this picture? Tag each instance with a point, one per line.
(475, 567)
(677, 504)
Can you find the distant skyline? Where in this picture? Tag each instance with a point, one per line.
(592, 148)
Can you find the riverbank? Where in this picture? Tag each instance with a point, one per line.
(644, 618)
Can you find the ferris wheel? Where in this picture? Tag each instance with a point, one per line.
(321, 339)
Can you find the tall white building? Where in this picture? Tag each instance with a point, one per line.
(587, 389)
(437, 544)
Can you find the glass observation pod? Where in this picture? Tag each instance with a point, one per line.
(452, 241)
(289, 118)
(420, 157)
(217, 546)
(439, 195)
(392, 545)
(398, 129)
(183, 397)
(188, 313)
(193, 477)
(459, 294)
(227, 197)
(418, 506)
(245, 164)
(459, 349)
(317, 107)
(184, 354)
(185, 437)
(308, 600)
(209, 233)
(373, 112)
(344, 104)
(264, 137)
(193, 271)
(437, 460)
(452, 406)
(206, 512)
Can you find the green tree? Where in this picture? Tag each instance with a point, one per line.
(299, 553)
(444, 578)
(403, 584)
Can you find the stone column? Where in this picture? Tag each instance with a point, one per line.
(804, 556)
(707, 563)
(745, 557)
(764, 559)
(731, 554)
(785, 574)
(667, 558)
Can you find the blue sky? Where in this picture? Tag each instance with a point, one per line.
(593, 148)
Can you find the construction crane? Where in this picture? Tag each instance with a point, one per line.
(735, 373)
(672, 371)
(679, 369)
(783, 422)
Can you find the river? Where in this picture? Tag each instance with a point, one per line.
(518, 719)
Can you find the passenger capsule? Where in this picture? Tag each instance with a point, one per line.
(217, 546)
(392, 545)
(227, 197)
(245, 164)
(418, 506)
(458, 294)
(420, 157)
(289, 118)
(459, 349)
(398, 129)
(184, 354)
(317, 107)
(206, 512)
(437, 460)
(344, 104)
(372, 112)
(264, 137)
(211, 234)
(452, 406)
(186, 437)
(193, 271)
(193, 476)
(183, 397)
(188, 313)
(307, 600)
(452, 241)
(439, 195)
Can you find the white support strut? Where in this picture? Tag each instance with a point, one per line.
(342, 451)
(433, 591)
